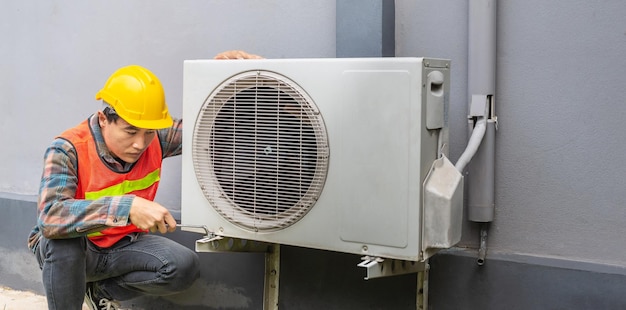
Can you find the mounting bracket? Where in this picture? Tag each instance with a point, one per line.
(378, 267)
(215, 243)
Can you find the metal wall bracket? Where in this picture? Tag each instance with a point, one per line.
(272, 277)
(227, 244)
(378, 267)
(212, 242)
(215, 243)
(422, 288)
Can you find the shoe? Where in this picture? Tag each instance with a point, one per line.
(95, 302)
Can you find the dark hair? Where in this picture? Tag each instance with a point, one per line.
(110, 114)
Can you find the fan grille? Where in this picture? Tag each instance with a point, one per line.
(260, 151)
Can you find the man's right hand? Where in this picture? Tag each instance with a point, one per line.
(149, 215)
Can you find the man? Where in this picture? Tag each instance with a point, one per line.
(96, 208)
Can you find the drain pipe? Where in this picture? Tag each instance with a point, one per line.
(481, 94)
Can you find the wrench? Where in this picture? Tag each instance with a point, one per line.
(208, 236)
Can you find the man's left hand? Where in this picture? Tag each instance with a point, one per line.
(236, 54)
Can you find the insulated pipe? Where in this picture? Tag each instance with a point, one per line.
(482, 249)
(472, 146)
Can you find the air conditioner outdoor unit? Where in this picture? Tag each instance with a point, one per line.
(345, 155)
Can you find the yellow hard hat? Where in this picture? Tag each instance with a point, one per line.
(137, 96)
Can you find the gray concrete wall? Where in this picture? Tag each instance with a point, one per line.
(560, 103)
(55, 55)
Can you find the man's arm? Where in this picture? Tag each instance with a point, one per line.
(171, 139)
(60, 215)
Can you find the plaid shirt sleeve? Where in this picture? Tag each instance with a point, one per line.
(59, 215)
(172, 139)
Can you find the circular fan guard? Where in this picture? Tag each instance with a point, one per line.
(260, 151)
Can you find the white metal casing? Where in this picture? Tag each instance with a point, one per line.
(380, 151)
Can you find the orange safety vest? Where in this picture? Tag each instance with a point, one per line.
(96, 179)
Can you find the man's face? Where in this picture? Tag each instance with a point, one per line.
(124, 140)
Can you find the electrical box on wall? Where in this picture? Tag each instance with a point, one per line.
(345, 155)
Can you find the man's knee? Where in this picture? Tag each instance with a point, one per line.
(186, 272)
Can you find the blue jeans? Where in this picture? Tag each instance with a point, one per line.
(136, 265)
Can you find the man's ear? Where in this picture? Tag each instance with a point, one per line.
(102, 119)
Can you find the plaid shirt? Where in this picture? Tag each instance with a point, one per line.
(59, 182)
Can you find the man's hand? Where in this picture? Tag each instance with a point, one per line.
(236, 54)
(149, 215)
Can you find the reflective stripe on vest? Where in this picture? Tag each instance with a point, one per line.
(126, 186)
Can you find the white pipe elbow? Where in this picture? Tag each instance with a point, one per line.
(474, 142)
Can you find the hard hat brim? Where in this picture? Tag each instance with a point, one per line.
(151, 124)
